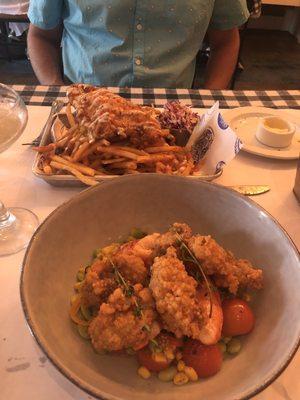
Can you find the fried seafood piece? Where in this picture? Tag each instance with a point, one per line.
(98, 284)
(106, 115)
(100, 280)
(185, 307)
(224, 269)
(133, 260)
(125, 321)
(155, 244)
(174, 292)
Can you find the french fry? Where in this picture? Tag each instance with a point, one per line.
(112, 160)
(117, 152)
(85, 156)
(45, 149)
(131, 171)
(125, 164)
(48, 170)
(70, 116)
(188, 168)
(154, 158)
(82, 168)
(86, 180)
(80, 152)
(132, 150)
(162, 149)
(89, 150)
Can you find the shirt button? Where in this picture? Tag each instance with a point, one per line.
(138, 61)
(139, 27)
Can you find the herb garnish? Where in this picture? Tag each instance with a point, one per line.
(188, 256)
(128, 291)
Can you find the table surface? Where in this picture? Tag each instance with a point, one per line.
(25, 372)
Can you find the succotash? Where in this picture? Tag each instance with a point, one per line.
(173, 358)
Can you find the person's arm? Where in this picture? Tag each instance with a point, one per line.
(224, 47)
(45, 54)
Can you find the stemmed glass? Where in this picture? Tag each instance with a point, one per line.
(16, 224)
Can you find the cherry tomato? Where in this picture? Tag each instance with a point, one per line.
(206, 360)
(146, 359)
(238, 318)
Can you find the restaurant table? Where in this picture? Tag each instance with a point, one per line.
(24, 370)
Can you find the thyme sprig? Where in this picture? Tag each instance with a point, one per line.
(188, 256)
(128, 291)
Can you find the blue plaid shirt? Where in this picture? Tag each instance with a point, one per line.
(146, 43)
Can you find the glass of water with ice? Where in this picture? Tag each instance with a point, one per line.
(16, 224)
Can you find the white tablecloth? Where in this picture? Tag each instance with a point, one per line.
(24, 371)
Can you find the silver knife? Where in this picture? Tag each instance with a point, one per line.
(251, 190)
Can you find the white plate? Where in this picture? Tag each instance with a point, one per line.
(244, 121)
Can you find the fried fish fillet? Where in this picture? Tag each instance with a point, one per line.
(225, 270)
(125, 321)
(109, 116)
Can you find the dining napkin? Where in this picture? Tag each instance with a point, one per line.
(213, 143)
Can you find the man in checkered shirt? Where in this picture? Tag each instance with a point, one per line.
(145, 43)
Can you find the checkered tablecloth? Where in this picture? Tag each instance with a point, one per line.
(45, 95)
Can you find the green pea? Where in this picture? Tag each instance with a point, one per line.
(167, 375)
(85, 312)
(97, 253)
(137, 233)
(130, 351)
(222, 347)
(234, 346)
(80, 275)
(83, 331)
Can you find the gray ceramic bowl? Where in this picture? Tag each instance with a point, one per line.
(67, 238)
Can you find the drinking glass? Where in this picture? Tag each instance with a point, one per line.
(16, 224)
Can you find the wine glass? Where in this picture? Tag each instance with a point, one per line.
(16, 224)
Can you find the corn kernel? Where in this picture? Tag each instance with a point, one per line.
(180, 366)
(178, 355)
(159, 357)
(170, 355)
(144, 372)
(191, 374)
(234, 346)
(226, 339)
(180, 379)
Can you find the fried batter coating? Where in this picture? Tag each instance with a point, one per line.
(100, 280)
(98, 284)
(224, 269)
(175, 293)
(109, 116)
(156, 244)
(119, 325)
